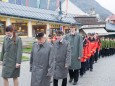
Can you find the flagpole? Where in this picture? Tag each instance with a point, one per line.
(26, 2)
(57, 3)
(66, 6)
(48, 5)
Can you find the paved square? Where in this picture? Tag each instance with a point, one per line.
(102, 75)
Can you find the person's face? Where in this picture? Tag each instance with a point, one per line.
(49, 39)
(9, 34)
(41, 40)
(95, 36)
(59, 37)
(72, 29)
(102, 38)
(91, 37)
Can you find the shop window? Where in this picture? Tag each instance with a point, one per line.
(67, 31)
(2, 28)
(53, 30)
(21, 28)
(39, 28)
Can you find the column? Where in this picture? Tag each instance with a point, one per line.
(78, 28)
(29, 29)
(48, 29)
(8, 22)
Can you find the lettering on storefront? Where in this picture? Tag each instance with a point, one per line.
(54, 26)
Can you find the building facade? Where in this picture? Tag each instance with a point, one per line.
(28, 21)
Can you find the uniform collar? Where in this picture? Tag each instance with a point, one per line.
(60, 41)
(73, 34)
(9, 38)
(44, 44)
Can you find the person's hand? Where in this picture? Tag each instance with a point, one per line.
(1, 62)
(79, 58)
(49, 76)
(66, 66)
(17, 65)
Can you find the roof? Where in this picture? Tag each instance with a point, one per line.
(33, 13)
(110, 27)
(95, 30)
(111, 18)
(88, 20)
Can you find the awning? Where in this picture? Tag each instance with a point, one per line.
(110, 27)
(95, 30)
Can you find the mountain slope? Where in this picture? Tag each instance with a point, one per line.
(84, 5)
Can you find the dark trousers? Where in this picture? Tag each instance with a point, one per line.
(83, 68)
(114, 50)
(74, 74)
(87, 64)
(96, 55)
(64, 82)
(91, 60)
(99, 54)
(107, 52)
(103, 52)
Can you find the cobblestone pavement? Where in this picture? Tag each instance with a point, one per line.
(102, 75)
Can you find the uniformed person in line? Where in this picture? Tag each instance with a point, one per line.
(11, 56)
(114, 45)
(50, 39)
(96, 55)
(111, 47)
(42, 61)
(107, 42)
(92, 50)
(103, 46)
(62, 59)
(84, 57)
(76, 43)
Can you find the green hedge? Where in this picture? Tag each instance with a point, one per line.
(27, 49)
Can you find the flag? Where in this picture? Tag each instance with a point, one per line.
(12, 1)
(26, 2)
(32, 3)
(48, 5)
(18, 2)
(61, 28)
(57, 3)
(66, 6)
(23, 2)
(5, 0)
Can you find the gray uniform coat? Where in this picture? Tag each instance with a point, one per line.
(42, 64)
(62, 58)
(76, 43)
(11, 54)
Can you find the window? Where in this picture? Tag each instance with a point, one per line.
(21, 28)
(2, 28)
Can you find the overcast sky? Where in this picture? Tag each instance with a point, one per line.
(109, 4)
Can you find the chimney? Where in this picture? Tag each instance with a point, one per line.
(60, 8)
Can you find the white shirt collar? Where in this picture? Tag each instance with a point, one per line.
(11, 37)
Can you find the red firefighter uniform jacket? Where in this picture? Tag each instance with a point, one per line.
(83, 59)
(85, 48)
